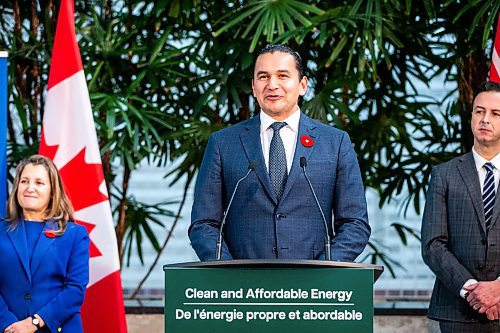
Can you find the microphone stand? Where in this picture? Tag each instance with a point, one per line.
(328, 245)
(251, 168)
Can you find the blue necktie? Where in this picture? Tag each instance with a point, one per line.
(488, 194)
(277, 160)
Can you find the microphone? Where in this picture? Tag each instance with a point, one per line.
(251, 167)
(328, 251)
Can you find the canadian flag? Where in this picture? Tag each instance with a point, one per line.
(495, 57)
(69, 139)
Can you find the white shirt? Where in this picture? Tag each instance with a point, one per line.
(481, 172)
(288, 135)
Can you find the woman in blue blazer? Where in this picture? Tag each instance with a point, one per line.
(44, 258)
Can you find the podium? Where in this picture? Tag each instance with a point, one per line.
(269, 296)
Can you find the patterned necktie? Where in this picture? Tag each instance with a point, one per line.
(277, 160)
(488, 194)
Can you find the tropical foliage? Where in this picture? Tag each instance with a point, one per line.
(165, 74)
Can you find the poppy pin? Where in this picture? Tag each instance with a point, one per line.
(306, 141)
(50, 233)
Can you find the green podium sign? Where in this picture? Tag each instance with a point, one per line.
(264, 296)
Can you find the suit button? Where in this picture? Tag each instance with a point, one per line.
(480, 267)
(280, 216)
(275, 250)
(27, 296)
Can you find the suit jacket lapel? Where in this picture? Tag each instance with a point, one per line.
(20, 243)
(496, 209)
(469, 175)
(306, 127)
(42, 246)
(250, 139)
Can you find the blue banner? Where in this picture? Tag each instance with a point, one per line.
(3, 132)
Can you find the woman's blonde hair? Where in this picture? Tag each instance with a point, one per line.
(59, 208)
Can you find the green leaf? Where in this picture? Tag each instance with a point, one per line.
(174, 8)
(336, 51)
(238, 19)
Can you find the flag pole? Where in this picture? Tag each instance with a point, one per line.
(3, 131)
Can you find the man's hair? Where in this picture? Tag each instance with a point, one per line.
(271, 48)
(486, 87)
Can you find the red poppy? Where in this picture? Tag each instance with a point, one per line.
(50, 233)
(306, 141)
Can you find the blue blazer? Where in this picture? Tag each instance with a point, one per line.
(257, 225)
(53, 286)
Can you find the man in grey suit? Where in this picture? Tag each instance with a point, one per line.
(460, 227)
(274, 213)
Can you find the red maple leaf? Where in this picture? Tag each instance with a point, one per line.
(45, 150)
(94, 251)
(82, 181)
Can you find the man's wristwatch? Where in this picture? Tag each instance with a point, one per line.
(35, 321)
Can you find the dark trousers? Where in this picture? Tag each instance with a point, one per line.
(479, 327)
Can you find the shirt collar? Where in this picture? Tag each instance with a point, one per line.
(292, 121)
(480, 161)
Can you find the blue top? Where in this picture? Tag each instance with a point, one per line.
(33, 232)
(53, 284)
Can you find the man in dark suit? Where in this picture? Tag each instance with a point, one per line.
(274, 213)
(460, 227)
